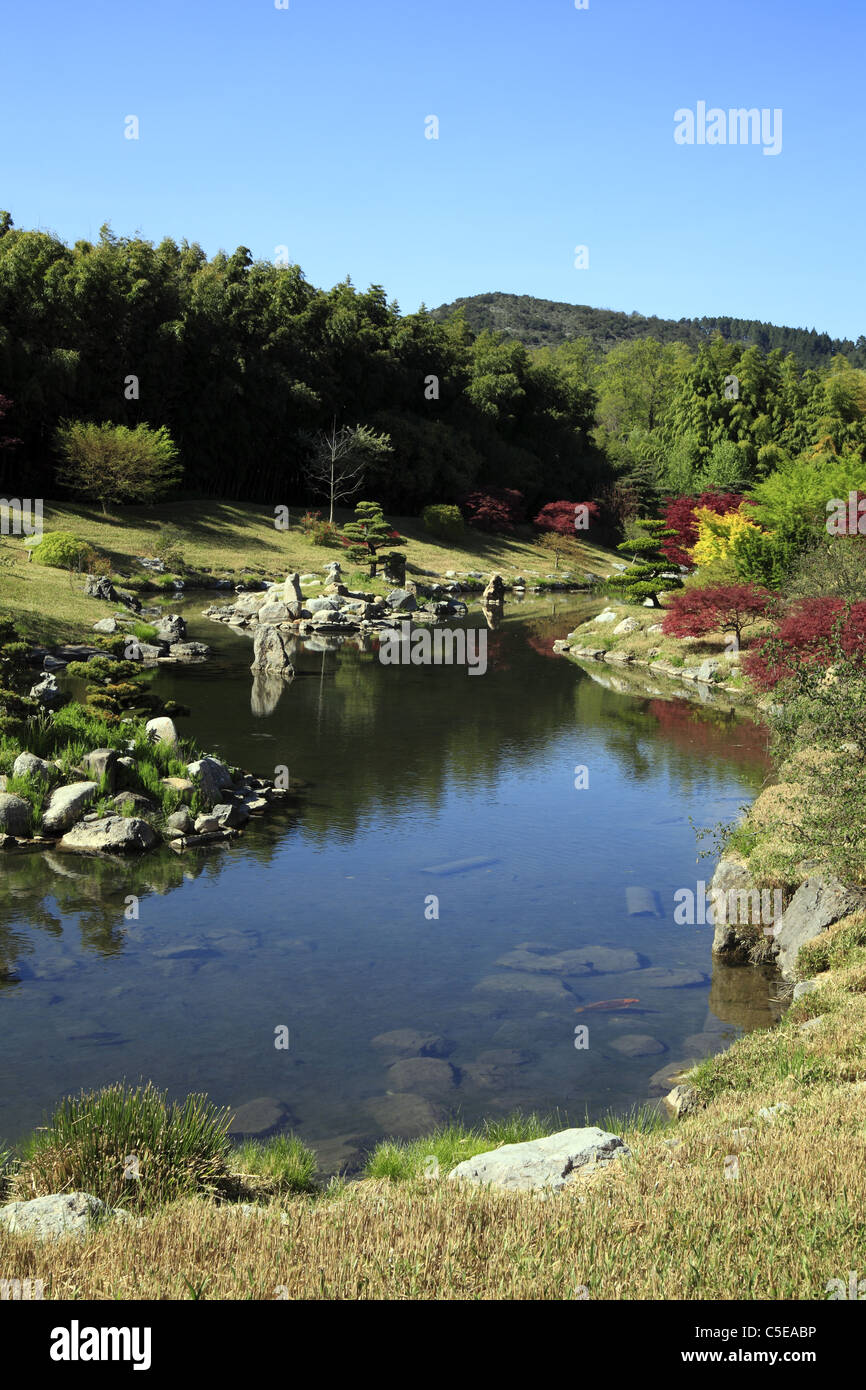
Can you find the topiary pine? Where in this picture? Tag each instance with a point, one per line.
(368, 533)
(650, 565)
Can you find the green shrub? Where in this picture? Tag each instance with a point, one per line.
(443, 521)
(94, 1139)
(33, 789)
(61, 550)
(285, 1163)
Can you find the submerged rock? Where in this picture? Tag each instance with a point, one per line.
(408, 1042)
(260, 1116)
(637, 1045)
(405, 1115)
(429, 1076)
(517, 984)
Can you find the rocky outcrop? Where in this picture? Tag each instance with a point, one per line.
(550, 1164)
(271, 651)
(818, 903)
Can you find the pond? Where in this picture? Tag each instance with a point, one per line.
(357, 916)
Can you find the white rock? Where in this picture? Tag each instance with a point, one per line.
(161, 730)
(550, 1163)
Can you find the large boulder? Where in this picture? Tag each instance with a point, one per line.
(58, 1215)
(551, 1163)
(817, 904)
(189, 651)
(46, 691)
(212, 777)
(102, 763)
(28, 765)
(231, 815)
(66, 805)
(161, 730)
(275, 611)
(171, 628)
(402, 601)
(99, 586)
(16, 815)
(110, 835)
(272, 651)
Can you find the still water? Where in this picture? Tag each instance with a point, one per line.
(320, 921)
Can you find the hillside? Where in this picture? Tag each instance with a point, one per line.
(547, 323)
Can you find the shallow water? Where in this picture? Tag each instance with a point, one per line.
(316, 921)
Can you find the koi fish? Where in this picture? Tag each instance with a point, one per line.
(606, 1004)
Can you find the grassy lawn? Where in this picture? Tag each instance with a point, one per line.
(228, 540)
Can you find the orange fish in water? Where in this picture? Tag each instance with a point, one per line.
(606, 1004)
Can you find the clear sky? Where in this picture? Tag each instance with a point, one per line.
(305, 127)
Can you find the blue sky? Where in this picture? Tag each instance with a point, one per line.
(305, 127)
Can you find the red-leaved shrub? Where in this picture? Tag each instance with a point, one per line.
(813, 632)
(717, 608)
(560, 516)
(496, 509)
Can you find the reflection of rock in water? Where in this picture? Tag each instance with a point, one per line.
(324, 643)
(268, 686)
(746, 995)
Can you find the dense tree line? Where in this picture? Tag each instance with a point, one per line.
(246, 365)
(243, 361)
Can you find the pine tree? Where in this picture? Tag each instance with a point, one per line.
(646, 576)
(368, 533)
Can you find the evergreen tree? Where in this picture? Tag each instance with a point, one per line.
(368, 533)
(646, 576)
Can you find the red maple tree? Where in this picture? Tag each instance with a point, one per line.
(716, 608)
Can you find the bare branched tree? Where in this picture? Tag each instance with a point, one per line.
(339, 461)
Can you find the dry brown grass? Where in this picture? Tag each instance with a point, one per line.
(666, 1225)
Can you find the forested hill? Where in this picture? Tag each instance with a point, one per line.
(547, 323)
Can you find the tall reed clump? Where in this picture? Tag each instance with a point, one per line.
(129, 1147)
